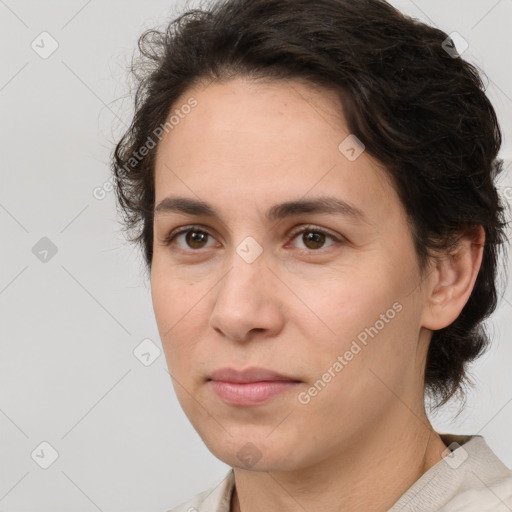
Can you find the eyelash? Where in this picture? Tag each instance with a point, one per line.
(313, 229)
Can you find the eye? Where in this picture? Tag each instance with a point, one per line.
(194, 237)
(313, 238)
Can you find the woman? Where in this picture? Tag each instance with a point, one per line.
(313, 186)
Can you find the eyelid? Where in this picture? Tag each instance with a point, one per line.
(312, 227)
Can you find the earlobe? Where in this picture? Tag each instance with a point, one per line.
(453, 279)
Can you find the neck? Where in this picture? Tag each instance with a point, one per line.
(370, 475)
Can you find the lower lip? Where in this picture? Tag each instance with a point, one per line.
(250, 393)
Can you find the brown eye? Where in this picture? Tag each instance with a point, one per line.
(195, 239)
(313, 238)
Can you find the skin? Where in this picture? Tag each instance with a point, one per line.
(362, 441)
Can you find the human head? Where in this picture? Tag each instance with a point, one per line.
(420, 112)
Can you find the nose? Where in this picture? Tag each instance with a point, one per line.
(247, 301)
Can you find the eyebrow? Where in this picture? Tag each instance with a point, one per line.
(327, 204)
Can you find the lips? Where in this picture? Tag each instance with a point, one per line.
(249, 387)
(252, 374)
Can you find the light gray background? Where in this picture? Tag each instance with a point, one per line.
(69, 326)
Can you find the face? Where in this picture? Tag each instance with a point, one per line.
(327, 297)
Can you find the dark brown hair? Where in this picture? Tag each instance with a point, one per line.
(420, 110)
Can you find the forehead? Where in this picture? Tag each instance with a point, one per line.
(264, 142)
(257, 114)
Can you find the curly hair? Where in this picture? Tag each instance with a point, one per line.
(420, 110)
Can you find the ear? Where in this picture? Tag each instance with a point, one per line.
(452, 280)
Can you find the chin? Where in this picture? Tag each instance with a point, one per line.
(257, 455)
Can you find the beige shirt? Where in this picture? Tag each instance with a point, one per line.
(471, 478)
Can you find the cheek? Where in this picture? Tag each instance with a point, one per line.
(345, 303)
(171, 293)
(178, 316)
(366, 318)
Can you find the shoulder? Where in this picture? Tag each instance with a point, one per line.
(484, 483)
(469, 478)
(215, 499)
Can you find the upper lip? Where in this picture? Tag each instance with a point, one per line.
(252, 374)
